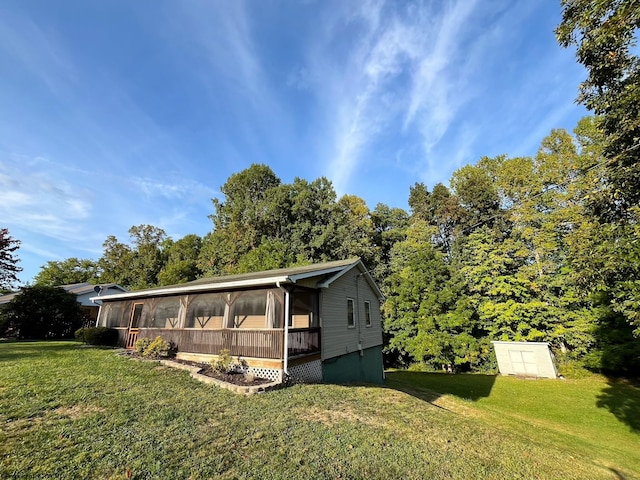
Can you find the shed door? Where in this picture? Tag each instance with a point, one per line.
(523, 362)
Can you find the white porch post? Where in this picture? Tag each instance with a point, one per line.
(286, 331)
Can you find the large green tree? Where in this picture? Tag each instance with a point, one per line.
(43, 312)
(65, 272)
(605, 33)
(181, 260)
(9, 268)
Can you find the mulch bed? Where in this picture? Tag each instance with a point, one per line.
(234, 377)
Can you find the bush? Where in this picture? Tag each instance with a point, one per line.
(42, 312)
(224, 362)
(141, 345)
(97, 336)
(157, 348)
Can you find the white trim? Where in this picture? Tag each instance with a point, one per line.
(259, 282)
(285, 354)
(348, 268)
(301, 276)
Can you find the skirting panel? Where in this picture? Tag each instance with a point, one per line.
(269, 373)
(310, 372)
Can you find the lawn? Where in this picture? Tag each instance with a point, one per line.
(73, 412)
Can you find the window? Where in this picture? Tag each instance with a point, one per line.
(351, 318)
(367, 314)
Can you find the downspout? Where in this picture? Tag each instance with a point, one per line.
(98, 317)
(358, 314)
(285, 354)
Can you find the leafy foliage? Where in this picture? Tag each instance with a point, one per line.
(43, 312)
(97, 336)
(8, 261)
(605, 34)
(224, 362)
(66, 272)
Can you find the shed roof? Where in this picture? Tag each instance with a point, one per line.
(324, 272)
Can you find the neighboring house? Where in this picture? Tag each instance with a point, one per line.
(313, 323)
(84, 292)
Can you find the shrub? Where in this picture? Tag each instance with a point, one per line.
(97, 336)
(224, 362)
(141, 345)
(157, 348)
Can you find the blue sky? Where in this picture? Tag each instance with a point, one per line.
(118, 113)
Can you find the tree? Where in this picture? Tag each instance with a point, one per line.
(389, 227)
(66, 272)
(182, 260)
(43, 312)
(605, 34)
(148, 258)
(428, 319)
(8, 261)
(239, 222)
(115, 263)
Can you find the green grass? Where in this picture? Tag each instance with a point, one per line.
(71, 412)
(590, 417)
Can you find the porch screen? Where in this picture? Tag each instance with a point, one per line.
(257, 309)
(206, 311)
(113, 315)
(305, 307)
(166, 313)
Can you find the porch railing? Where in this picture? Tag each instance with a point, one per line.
(303, 341)
(265, 343)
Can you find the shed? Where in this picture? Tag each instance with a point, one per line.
(531, 359)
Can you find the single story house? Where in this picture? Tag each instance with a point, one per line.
(84, 293)
(311, 323)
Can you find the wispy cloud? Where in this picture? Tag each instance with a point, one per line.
(41, 203)
(398, 69)
(37, 50)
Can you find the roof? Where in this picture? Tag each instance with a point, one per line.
(75, 288)
(325, 273)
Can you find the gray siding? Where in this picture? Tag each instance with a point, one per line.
(337, 338)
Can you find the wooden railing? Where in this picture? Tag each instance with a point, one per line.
(303, 341)
(263, 343)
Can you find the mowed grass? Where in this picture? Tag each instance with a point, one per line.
(73, 412)
(589, 417)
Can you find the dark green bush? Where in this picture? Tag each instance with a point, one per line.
(97, 336)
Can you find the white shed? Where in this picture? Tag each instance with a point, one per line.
(532, 359)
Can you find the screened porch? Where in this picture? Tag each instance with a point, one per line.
(247, 323)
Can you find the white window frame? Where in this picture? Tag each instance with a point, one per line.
(367, 314)
(351, 302)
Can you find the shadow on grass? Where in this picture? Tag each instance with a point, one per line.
(622, 398)
(430, 386)
(14, 350)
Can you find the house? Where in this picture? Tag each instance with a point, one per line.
(528, 359)
(311, 323)
(84, 293)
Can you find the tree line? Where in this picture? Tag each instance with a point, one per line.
(514, 249)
